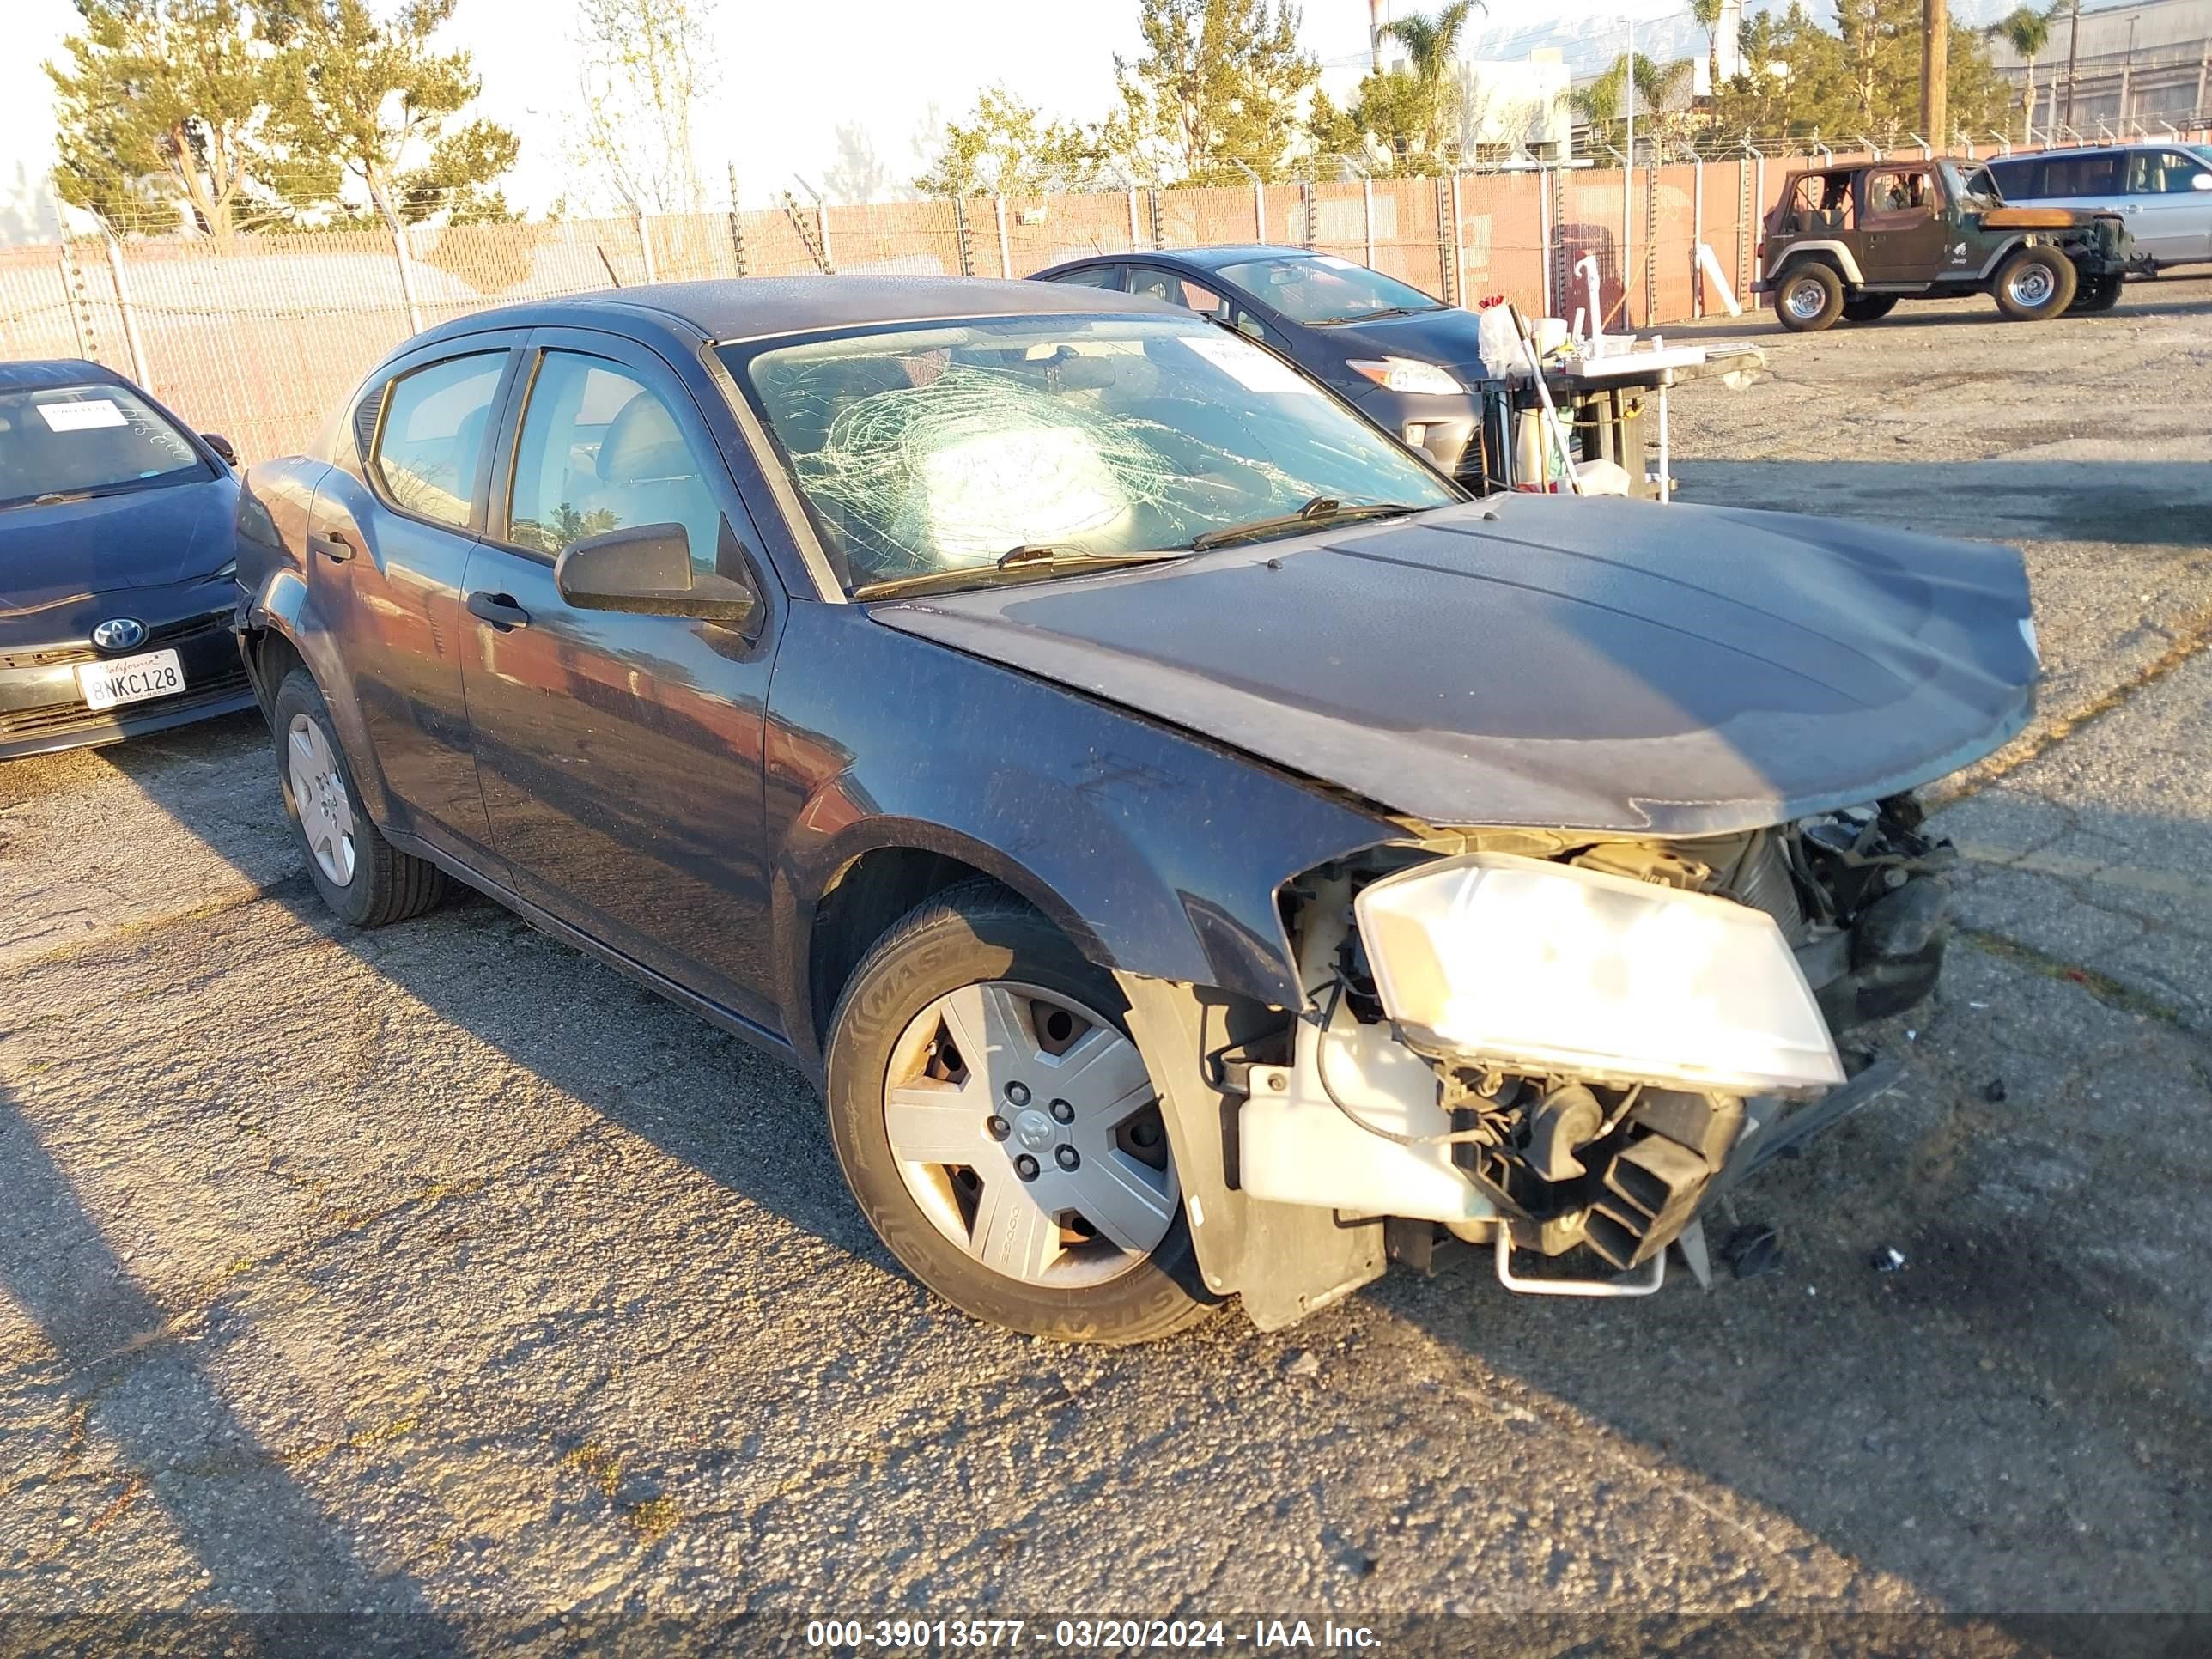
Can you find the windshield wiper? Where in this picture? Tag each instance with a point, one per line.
(1370, 316)
(1015, 561)
(1321, 510)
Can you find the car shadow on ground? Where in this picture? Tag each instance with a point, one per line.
(1962, 1425)
(143, 1419)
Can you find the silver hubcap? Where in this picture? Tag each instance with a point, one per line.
(319, 794)
(2031, 287)
(1806, 299)
(1028, 1130)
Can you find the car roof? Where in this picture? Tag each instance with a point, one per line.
(37, 373)
(1201, 258)
(753, 308)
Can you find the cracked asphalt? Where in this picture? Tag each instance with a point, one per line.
(441, 1272)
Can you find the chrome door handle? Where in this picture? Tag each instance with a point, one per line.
(331, 544)
(499, 610)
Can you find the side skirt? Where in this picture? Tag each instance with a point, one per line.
(713, 1012)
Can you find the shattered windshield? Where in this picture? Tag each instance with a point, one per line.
(944, 447)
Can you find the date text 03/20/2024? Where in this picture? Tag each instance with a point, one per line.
(1086, 1634)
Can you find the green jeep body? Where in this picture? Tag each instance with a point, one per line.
(1851, 242)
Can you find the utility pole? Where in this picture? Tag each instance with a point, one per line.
(2073, 48)
(1935, 72)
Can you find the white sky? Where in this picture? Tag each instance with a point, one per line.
(790, 74)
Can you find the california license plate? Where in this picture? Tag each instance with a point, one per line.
(129, 679)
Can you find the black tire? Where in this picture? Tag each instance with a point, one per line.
(385, 885)
(1797, 306)
(976, 933)
(1869, 307)
(2096, 293)
(2035, 284)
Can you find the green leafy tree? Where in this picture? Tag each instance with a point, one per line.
(1432, 42)
(1390, 113)
(1218, 83)
(161, 111)
(1008, 147)
(1861, 80)
(385, 104)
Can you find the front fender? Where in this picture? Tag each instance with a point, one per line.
(1158, 852)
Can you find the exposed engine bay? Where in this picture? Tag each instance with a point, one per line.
(1511, 1036)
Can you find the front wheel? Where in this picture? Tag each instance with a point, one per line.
(1810, 299)
(1001, 1131)
(2035, 284)
(1869, 307)
(2096, 293)
(362, 877)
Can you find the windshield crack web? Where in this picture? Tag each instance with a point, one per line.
(956, 471)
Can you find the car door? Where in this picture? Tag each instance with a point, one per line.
(1901, 229)
(621, 754)
(2166, 212)
(388, 544)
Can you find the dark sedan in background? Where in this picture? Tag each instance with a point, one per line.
(116, 562)
(1178, 827)
(1408, 361)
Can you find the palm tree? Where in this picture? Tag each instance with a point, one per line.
(2028, 32)
(1604, 101)
(1706, 14)
(1431, 42)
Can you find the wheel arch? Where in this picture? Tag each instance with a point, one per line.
(281, 632)
(1824, 251)
(872, 886)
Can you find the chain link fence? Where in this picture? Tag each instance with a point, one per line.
(260, 337)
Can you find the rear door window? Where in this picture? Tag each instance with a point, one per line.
(430, 443)
(2082, 175)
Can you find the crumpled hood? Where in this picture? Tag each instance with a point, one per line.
(140, 539)
(1588, 664)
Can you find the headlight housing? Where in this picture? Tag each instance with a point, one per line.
(1406, 375)
(1547, 967)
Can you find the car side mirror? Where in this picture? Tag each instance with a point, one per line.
(646, 569)
(221, 445)
(2201, 181)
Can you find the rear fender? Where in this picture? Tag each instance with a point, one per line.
(285, 607)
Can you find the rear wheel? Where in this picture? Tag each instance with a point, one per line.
(1809, 298)
(2096, 293)
(362, 877)
(2035, 284)
(1869, 307)
(1001, 1131)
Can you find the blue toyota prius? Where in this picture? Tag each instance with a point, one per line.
(116, 562)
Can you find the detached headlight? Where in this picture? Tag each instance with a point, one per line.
(1546, 967)
(1405, 374)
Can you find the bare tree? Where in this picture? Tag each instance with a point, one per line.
(643, 65)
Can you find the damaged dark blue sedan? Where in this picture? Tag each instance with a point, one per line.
(115, 563)
(1198, 850)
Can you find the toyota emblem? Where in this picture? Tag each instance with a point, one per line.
(119, 634)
